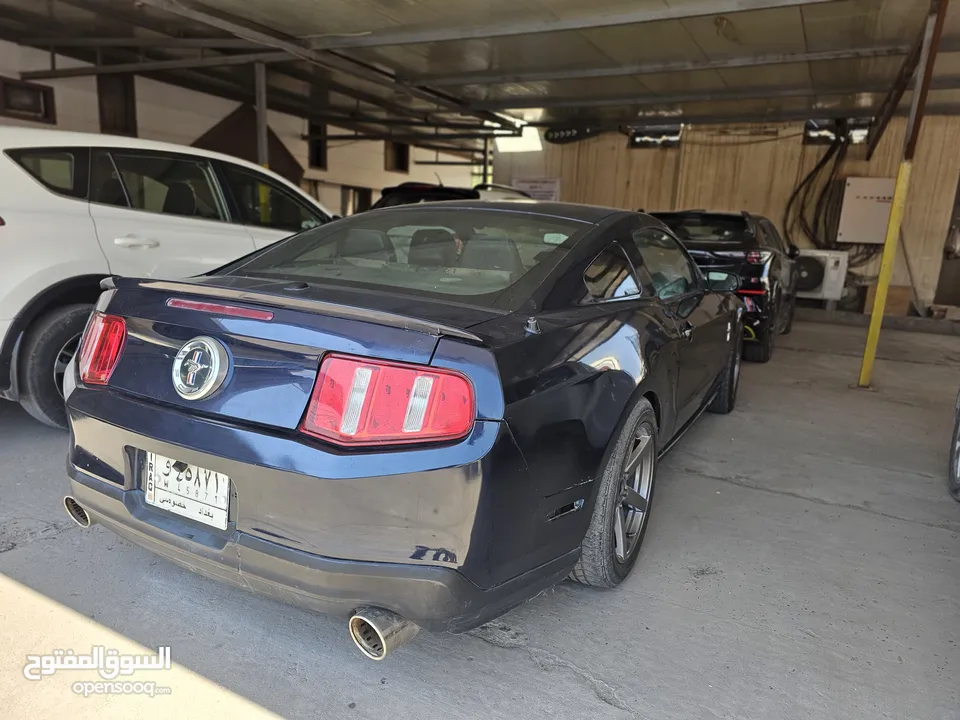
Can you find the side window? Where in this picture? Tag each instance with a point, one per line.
(61, 170)
(106, 187)
(610, 276)
(670, 269)
(169, 185)
(265, 203)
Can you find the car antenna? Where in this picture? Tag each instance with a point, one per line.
(439, 181)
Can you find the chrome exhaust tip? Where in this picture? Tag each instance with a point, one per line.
(378, 632)
(76, 512)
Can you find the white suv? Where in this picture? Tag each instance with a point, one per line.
(76, 208)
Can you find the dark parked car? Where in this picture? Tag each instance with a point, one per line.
(410, 193)
(749, 245)
(420, 416)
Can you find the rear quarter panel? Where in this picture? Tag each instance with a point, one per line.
(566, 391)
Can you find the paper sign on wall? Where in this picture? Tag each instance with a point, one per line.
(539, 188)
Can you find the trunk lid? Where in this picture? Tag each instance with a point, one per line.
(271, 364)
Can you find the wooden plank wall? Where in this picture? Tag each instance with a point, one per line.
(755, 168)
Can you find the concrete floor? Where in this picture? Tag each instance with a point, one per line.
(802, 562)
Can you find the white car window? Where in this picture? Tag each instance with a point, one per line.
(167, 184)
(266, 203)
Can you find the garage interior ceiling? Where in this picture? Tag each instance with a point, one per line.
(447, 73)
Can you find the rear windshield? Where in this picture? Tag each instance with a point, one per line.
(434, 251)
(704, 230)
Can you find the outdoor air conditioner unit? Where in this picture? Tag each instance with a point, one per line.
(821, 274)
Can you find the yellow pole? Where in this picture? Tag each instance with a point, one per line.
(886, 271)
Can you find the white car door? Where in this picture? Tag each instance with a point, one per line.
(270, 210)
(161, 214)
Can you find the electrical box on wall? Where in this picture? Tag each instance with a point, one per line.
(865, 210)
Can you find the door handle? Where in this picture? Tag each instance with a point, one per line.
(686, 330)
(135, 241)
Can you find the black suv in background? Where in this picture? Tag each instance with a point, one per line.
(749, 245)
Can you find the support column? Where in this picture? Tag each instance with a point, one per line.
(260, 78)
(928, 55)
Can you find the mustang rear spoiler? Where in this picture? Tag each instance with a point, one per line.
(322, 307)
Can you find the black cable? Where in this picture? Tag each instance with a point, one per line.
(789, 220)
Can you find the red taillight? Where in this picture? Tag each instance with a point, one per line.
(754, 257)
(220, 309)
(373, 402)
(102, 344)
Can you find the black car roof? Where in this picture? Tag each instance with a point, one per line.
(569, 211)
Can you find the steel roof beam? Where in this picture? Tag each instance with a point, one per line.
(169, 43)
(141, 20)
(678, 11)
(416, 137)
(649, 68)
(947, 82)
(293, 46)
(159, 65)
(719, 119)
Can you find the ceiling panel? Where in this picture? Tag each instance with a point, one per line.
(748, 33)
(566, 50)
(677, 82)
(851, 23)
(789, 74)
(567, 89)
(667, 40)
(868, 73)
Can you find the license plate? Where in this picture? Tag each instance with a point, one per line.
(193, 492)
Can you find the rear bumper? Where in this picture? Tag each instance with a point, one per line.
(435, 598)
(437, 535)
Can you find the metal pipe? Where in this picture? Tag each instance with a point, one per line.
(76, 512)
(378, 632)
(486, 160)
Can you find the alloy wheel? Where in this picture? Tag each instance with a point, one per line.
(635, 487)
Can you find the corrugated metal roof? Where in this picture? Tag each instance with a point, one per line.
(391, 59)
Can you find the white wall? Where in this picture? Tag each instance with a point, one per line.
(172, 114)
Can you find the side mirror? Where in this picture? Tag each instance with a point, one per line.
(719, 281)
(793, 252)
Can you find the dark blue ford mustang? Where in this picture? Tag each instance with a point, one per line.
(419, 415)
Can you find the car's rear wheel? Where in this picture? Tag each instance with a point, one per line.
(47, 349)
(791, 311)
(726, 397)
(761, 349)
(953, 472)
(624, 499)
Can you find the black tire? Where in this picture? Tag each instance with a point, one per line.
(953, 472)
(761, 349)
(790, 313)
(40, 394)
(726, 397)
(599, 564)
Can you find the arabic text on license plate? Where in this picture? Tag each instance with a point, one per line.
(194, 492)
